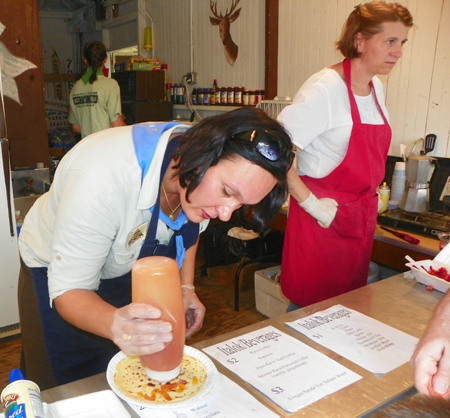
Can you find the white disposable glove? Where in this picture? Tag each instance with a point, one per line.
(324, 210)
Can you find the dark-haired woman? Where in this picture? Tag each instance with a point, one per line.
(95, 99)
(152, 192)
(339, 122)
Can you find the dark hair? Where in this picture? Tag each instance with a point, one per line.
(211, 140)
(367, 19)
(95, 53)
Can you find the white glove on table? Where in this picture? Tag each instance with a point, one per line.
(324, 210)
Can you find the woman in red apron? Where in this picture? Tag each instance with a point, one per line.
(332, 218)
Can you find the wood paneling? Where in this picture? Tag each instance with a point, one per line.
(27, 131)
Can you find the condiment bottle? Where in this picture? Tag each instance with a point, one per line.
(251, 98)
(238, 95)
(214, 89)
(223, 96)
(230, 96)
(384, 192)
(156, 281)
(19, 221)
(246, 97)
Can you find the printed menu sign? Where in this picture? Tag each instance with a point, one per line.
(365, 341)
(216, 405)
(290, 373)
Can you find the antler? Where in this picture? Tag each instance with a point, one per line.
(213, 7)
(233, 6)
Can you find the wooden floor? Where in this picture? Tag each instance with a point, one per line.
(220, 318)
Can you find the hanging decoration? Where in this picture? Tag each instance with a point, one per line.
(224, 22)
(11, 67)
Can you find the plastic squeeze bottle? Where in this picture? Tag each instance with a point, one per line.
(384, 191)
(156, 281)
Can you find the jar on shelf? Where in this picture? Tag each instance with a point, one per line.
(206, 97)
(230, 96)
(238, 96)
(246, 97)
(251, 98)
(258, 96)
(223, 96)
(200, 94)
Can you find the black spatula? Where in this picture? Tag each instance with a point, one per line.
(428, 144)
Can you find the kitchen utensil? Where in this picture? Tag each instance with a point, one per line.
(413, 263)
(402, 235)
(429, 143)
(419, 171)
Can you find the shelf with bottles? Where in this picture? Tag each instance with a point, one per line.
(211, 108)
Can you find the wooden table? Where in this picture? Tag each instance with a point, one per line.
(396, 301)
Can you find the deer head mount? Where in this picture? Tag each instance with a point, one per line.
(224, 22)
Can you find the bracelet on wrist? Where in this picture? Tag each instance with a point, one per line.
(188, 287)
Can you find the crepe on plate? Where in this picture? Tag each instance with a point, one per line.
(132, 381)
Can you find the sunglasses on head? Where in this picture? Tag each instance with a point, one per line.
(268, 145)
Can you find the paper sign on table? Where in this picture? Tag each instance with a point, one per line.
(228, 400)
(365, 341)
(284, 369)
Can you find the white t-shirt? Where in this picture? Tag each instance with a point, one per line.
(320, 123)
(92, 223)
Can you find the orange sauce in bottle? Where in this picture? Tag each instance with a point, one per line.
(156, 281)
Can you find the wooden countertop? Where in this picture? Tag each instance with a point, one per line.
(401, 303)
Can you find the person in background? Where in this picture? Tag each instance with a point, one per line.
(124, 194)
(431, 358)
(95, 99)
(339, 122)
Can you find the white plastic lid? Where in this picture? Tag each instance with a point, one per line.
(163, 376)
(400, 166)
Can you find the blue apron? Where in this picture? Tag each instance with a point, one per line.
(75, 354)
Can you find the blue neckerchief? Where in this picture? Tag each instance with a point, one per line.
(145, 139)
(175, 226)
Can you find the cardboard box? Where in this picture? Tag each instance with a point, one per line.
(270, 301)
(226, 274)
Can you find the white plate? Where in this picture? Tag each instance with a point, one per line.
(102, 404)
(212, 376)
(427, 279)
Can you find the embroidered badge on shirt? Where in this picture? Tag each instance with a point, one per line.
(136, 235)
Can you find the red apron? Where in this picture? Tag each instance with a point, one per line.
(320, 263)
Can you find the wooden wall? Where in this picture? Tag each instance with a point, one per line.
(201, 49)
(26, 125)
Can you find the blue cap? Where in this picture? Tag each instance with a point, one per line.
(16, 374)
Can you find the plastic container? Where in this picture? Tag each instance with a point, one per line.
(19, 221)
(156, 281)
(384, 192)
(398, 185)
(22, 398)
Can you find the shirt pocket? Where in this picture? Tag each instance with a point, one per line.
(121, 261)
